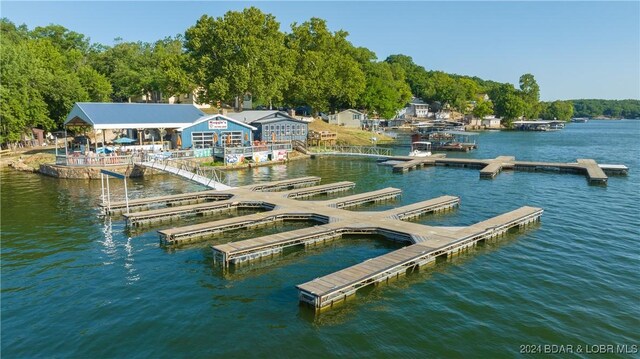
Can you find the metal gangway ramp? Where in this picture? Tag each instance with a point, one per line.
(196, 174)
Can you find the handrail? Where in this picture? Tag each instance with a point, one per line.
(363, 150)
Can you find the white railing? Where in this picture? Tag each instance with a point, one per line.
(356, 150)
(82, 160)
(249, 150)
(211, 173)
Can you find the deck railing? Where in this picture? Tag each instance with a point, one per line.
(355, 150)
(193, 167)
(248, 151)
(82, 160)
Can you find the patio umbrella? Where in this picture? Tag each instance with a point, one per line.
(123, 140)
(179, 141)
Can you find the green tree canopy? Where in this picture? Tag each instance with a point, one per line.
(327, 72)
(242, 52)
(386, 90)
(557, 110)
(530, 94)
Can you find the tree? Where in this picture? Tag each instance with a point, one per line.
(507, 103)
(172, 77)
(242, 52)
(530, 93)
(328, 75)
(62, 38)
(386, 90)
(129, 67)
(483, 108)
(558, 110)
(416, 76)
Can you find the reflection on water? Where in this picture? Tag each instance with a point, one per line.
(571, 279)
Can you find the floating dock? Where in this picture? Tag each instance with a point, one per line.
(324, 292)
(489, 168)
(423, 243)
(350, 223)
(284, 209)
(141, 204)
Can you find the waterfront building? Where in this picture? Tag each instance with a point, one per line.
(142, 122)
(491, 122)
(348, 118)
(273, 126)
(216, 131)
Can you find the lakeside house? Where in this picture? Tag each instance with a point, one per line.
(348, 118)
(491, 122)
(273, 126)
(417, 108)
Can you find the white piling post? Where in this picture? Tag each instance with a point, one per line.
(102, 186)
(126, 193)
(108, 195)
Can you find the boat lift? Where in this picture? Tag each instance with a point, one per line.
(108, 197)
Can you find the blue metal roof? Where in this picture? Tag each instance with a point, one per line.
(123, 115)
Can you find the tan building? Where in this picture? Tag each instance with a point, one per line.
(347, 118)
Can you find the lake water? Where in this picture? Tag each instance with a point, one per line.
(78, 285)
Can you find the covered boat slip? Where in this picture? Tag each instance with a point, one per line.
(459, 141)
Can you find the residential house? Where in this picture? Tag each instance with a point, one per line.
(273, 126)
(491, 122)
(417, 108)
(347, 118)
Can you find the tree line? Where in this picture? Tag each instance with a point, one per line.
(44, 71)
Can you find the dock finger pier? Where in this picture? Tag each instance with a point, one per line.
(280, 201)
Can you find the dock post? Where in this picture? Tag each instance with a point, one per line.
(126, 193)
(108, 196)
(102, 187)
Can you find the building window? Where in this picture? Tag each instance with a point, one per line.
(186, 95)
(356, 117)
(231, 138)
(202, 139)
(288, 130)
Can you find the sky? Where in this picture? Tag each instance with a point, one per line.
(574, 49)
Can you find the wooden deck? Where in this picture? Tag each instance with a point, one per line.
(349, 223)
(206, 208)
(283, 209)
(318, 190)
(489, 168)
(425, 243)
(326, 291)
(140, 204)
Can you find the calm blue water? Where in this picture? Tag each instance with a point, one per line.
(77, 285)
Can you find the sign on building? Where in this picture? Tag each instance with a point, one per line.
(217, 124)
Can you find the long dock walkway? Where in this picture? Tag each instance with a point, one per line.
(489, 168)
(326, 291)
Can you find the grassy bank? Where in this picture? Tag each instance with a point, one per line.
(348, 136)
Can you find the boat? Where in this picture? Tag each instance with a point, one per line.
(579, 119)
(420, 149)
